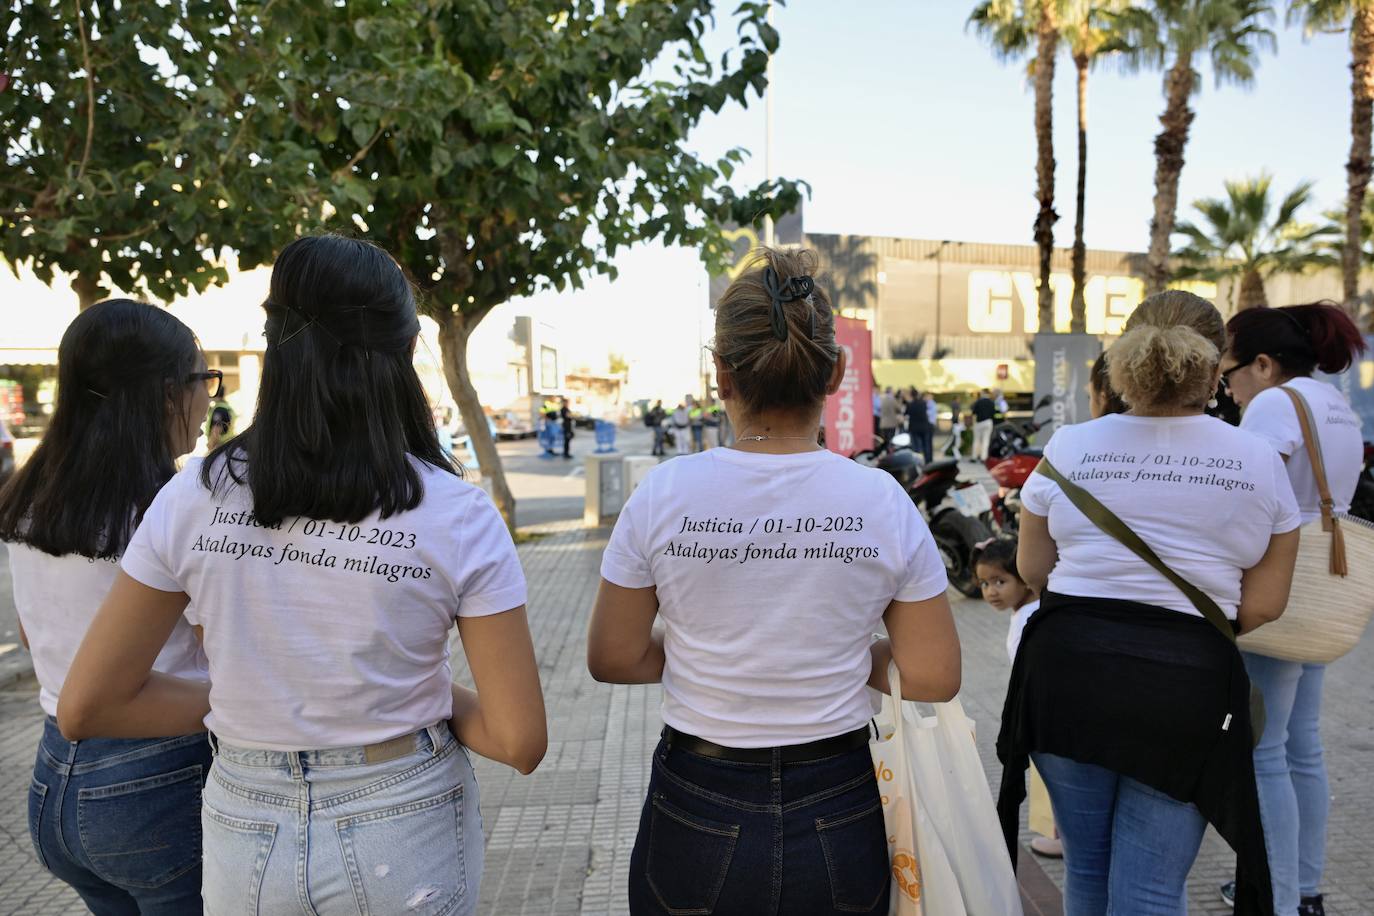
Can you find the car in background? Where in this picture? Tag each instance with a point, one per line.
(6, 452)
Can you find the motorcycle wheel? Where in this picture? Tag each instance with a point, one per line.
(955, 536)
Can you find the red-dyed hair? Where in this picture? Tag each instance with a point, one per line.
(1300, 338)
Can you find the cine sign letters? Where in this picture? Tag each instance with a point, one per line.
(993, 294)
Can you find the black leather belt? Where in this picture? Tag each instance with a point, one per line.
(791, 753)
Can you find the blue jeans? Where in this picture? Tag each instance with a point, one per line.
(1127, 847)
(119, 819)
(1290, 772)
(323, 832)
(719, 837)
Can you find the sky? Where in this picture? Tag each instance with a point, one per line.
(906, 125)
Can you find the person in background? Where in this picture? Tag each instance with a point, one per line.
(918, 425)
(889, 416)
(441, 430)
(1269, 349)
(328, 550)
(877, 407)
(1133, 705)
(932, 414)
(118, 819)
(696, 416)
(1102, 400)
(655, 419)
(682, 421)
(984, 411)
(565, 417)
(762, 797)
(999, 401)
(956, 433)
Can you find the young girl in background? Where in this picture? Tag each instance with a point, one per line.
(994, 563)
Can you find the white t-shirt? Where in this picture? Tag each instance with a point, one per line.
(57, 598)
(1204, 495)
(1272, 417)
(773, 572)
(322, 634)
(1019, 617)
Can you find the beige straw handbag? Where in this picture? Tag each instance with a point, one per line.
(1333, 585)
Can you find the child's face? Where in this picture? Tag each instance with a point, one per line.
(1000, 588)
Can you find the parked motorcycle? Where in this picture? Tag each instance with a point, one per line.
(1011, 473)
(955, 509)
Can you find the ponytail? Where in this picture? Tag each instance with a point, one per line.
(1300, 338)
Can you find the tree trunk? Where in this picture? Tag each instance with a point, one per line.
(1047, 34)
(1079, 305)
(1169, 146)
(87, 290)
(1252, 294)
(1358, 168)
(454, 331)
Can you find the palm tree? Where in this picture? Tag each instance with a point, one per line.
(1087, 31)
(1008, 26)
(1246, 238)
(1358, 17)
(1171, 35)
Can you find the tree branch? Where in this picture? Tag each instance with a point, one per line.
(360, 154)
(90, 87)
(125, 236)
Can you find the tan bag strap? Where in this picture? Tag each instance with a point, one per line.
(1330, 523)
(1107, 520)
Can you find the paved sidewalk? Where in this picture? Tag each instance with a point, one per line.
(559, 841)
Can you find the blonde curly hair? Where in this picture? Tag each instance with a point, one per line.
(1169, 353)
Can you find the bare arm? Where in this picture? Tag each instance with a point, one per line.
(1264, 587)
(503, 719)
(1036, 552)
(622, 647)
(111, 690)
(924, 643)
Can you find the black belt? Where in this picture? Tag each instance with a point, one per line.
(791, 753)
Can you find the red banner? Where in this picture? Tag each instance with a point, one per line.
(849, 411)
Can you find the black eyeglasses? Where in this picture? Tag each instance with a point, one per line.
(1226, 376)
(213, 379)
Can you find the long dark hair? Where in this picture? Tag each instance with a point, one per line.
(108, 449)
(1300, 338)
(340, 409)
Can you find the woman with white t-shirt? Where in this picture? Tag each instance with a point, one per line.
(131, 395)
(1269, 348)
(769, 565)
(328, 551)
(1133, 705)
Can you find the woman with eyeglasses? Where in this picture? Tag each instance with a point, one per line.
(329, 549)
(118, 819)
(1270, 349)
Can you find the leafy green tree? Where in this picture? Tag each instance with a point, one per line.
(1173, 35)
(501, 148)
(1357, 17)
(1010, 26)
(1244, 236)
(86, 188)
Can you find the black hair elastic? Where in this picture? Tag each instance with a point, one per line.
(1302, 328)
(783, 292)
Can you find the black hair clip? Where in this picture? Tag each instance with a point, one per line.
(795, 288)
(307, 322)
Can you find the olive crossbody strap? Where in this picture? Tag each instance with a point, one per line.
(1107, 521)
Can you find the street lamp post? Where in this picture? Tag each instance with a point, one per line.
(768, 135)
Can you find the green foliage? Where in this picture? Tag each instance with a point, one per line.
(495, 147)
(105, 188)
(1008, 26)
(1244, 233)
(1231, 33)
(1324, 15)
(498, 148)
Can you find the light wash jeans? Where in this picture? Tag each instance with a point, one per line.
(320, 833)
(1290, 771)
(1127, 847)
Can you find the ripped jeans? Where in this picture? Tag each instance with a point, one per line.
(319, 833)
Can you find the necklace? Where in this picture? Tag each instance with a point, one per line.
(765, 438)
